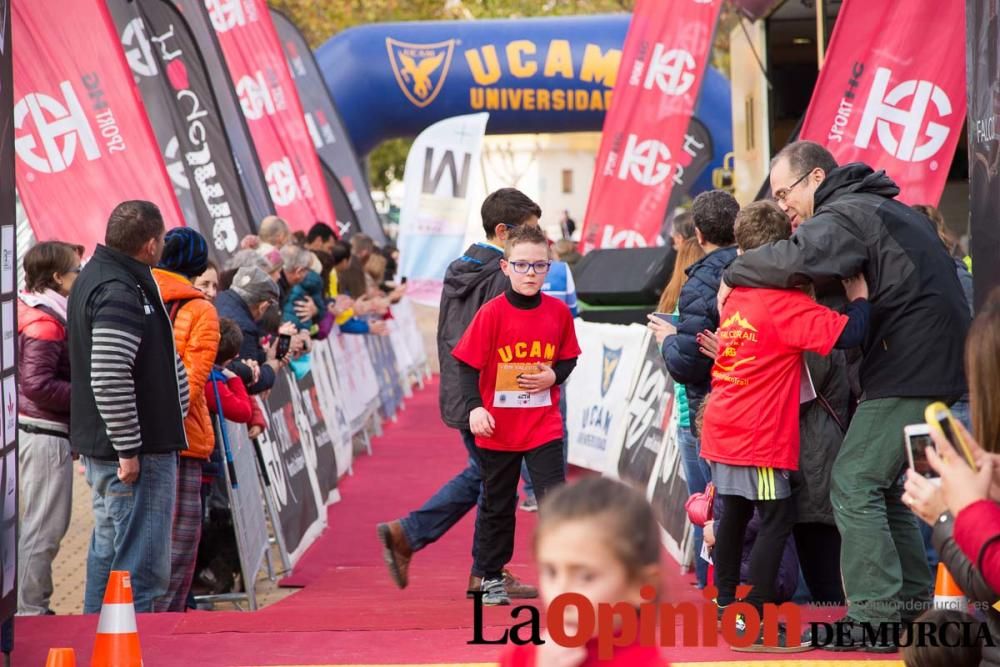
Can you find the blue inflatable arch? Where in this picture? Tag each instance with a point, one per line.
(533, 75)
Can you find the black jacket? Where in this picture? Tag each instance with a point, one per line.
(469, 282)
(919, 318)
(229, 304)
(698, 311)
(970, 581)
(157, 392)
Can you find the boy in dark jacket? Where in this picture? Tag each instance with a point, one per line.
(469, 282)
(714, 213)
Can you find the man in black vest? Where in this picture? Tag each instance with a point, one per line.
(129, 400)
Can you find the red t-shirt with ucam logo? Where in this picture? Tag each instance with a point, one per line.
(504, 342)
(752, 416)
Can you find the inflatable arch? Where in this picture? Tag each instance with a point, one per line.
(532, 75)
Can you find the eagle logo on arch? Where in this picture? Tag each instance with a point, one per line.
(420, 69)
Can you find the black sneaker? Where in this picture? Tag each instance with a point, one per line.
(782, 645)
(818, 636)
(741, 621)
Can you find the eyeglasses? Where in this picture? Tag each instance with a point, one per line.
(523, 267)
(781, 194)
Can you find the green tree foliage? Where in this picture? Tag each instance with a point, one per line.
(321, 19)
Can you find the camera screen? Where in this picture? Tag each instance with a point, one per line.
(918, 445)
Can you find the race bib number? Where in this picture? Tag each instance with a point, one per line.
(508, 393)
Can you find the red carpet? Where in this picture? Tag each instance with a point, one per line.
(349, 612)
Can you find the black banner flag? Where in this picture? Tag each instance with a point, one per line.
(189, 128)
(983, 62)
(341, 204)
(200, 21)
(329, 135)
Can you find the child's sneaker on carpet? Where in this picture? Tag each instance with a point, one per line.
(781, 646)
(495, 593)
(529, 504)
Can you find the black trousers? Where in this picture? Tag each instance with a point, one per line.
(818, 547)
(777, 518)
(495, 521)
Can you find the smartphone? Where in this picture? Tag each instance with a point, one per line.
(918, 439)
(669, 318)
(284, 343)
(939, 417)
(402, 281)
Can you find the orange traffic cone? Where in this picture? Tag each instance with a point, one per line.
(61, 657)
(117, 642)
(947, 594)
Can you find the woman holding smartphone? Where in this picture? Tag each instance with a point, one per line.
(964, 510)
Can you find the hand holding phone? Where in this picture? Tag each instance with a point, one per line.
(939, 419)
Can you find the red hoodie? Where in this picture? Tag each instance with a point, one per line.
(237, 406)
(628, 656)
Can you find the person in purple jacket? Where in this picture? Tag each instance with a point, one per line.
(44, 457)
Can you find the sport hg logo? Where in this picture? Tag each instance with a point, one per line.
(255, 96)
(281, 182)
(672, 71)
(420, 69)
(226, 14)
(646, 161)
(882, 111)
(59, 129)
(138, 50)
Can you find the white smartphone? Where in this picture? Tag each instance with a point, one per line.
(918, 439)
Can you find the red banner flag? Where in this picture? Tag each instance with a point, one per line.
(644, 147)
(81, 136)
(273, 111)
(891, 93)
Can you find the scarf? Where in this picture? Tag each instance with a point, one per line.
(50, 299)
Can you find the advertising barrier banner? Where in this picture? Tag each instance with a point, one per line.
(598, 390)
(650, 407)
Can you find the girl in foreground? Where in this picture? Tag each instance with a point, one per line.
(598, 538)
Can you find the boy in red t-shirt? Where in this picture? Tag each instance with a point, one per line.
(518, 349)
(751, 423)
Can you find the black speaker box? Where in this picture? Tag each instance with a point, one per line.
(623, 315)
(626, 277)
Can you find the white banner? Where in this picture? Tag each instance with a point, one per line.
(357, 377)
(332, 401)
(443, 162)
(598, 392)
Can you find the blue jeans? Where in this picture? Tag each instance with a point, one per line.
(698, 476)
(529, 489)
(132, 526)
(447, 507)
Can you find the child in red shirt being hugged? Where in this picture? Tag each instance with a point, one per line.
(519, 348)
(751, 427)
(596, 538)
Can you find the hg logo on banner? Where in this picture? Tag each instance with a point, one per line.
(59, 129)
(281, 182)
(672, 71)
(420, 69)
(648, 162)
(228, 14)
(138, 50)
(882, 112)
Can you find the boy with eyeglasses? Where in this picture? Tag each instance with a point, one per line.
(519, 348)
